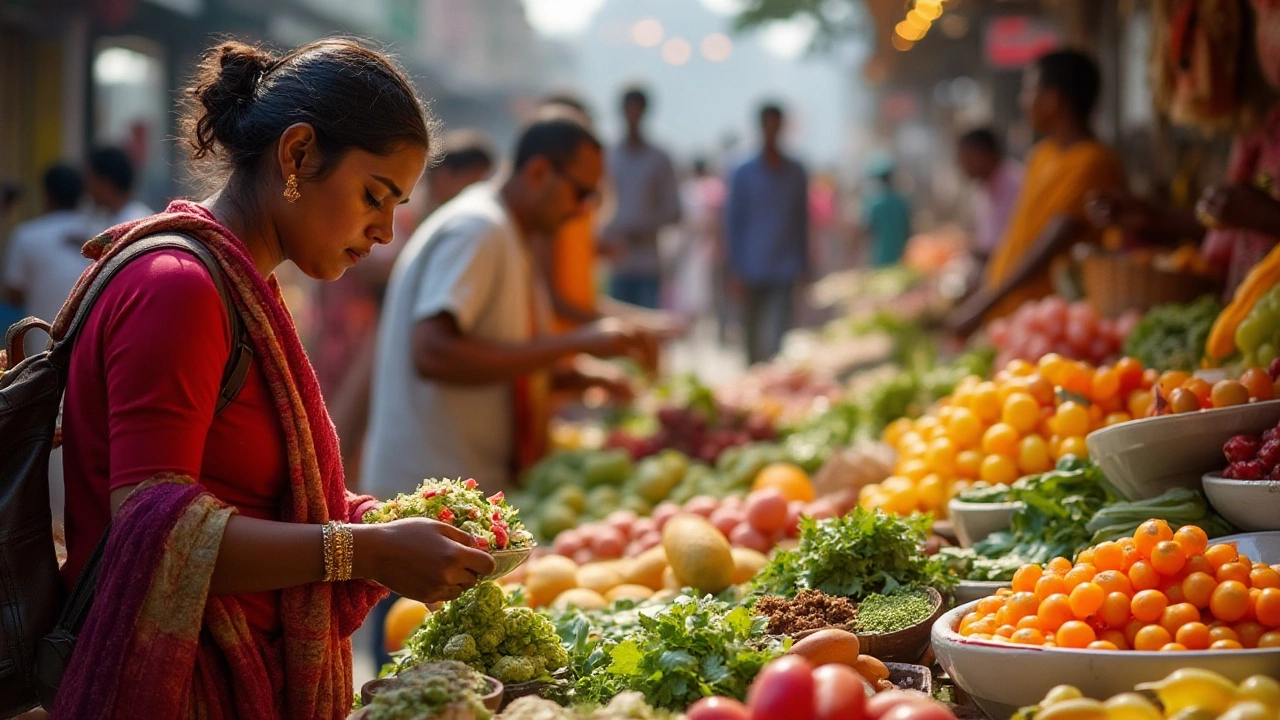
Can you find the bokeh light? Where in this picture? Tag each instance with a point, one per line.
(676, 51)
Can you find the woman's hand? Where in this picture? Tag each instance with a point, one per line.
(1117, 208)
(1241, 207)
(422, 559)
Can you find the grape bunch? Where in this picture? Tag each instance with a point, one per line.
(695, 433)
(1052, 325)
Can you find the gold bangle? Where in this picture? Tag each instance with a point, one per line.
(339, 551)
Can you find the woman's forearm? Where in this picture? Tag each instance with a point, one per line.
(260, 555)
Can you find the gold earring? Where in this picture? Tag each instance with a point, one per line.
(291, 192)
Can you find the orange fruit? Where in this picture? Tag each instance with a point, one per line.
(1054, 611)
(1249, 633)
(1168, 558)
(1030, 622)
(1106, 384)
(1175, 616)
(1173, 647)
(1108, 556)
(1025, 578)
(988, 605)
(1021, 412)
(1060, 565)
(1086, 599)
(790, 480)
(1115, 637)
(1151, 637)
(1143, 577)
(1050, 584)
(1270, 640)
(1193, 540)
(1073, 445)
(1027, 636)
(1113, 581)
(1199, 564)
(1222, 632)
(1263, 577)
(1197, 589)
(1021, 605)
(1115, 611)
(1006, 631)
(998, 470)
(1151, 533)
(1102, 645)
(1131, 631)
(1230, 601)
(1193, 636)
(1268, 607)
(1226, 645)
(1075, 634)
(403, 618)
(1220, 554)
(1082, 572)
(1000, 439)
(1148, 605)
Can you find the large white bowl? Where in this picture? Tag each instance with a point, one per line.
(1248, 504)
(1257, 546)
(973, 522)
(967, 591)
(1144, 458)
(1003, 678)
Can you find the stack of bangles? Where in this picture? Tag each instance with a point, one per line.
(339, 551)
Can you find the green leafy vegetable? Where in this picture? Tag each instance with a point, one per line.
(853, 556)
(1172, 337)
(1178, 507)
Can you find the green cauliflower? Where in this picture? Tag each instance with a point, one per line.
(517, 668)
(491, 638)
(461, 647)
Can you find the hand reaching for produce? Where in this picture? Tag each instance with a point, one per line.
(1241, 207)
(1117, 208)
(611, 337)
(419, 558)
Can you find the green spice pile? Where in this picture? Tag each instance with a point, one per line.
(896, 611)
(808, 610)
(444, 689)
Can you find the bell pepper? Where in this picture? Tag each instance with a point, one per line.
(1261, 279)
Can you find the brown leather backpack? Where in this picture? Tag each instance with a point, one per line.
(38, 620)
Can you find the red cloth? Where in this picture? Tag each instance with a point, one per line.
(145, 375)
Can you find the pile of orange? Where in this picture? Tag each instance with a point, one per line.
(1158, 590)
(1020, 423)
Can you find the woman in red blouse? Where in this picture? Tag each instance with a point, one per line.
(310, 153)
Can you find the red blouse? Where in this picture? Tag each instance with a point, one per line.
(143, 384)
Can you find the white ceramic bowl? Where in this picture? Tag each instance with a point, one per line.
(973, 522)
(1248, 504)
(1003, 678)
(1144, 458)
(1257, 546)
(969, 590)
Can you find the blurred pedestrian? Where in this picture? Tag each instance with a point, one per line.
(110, 179)
(767, 231)
(997, 179)
(466, 356)
(886, 216)
(647, 198)
(1060, 92)
(703, 196)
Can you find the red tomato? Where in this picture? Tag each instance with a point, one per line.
(920, 709)
(726, 519)
(767, 510)
(783, 689)
(748, 537)
(718, 708)
(840, 693)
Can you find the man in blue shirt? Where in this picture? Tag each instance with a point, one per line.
(767, 233)
(887, 219)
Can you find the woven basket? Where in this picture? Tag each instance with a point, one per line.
(1115, 284)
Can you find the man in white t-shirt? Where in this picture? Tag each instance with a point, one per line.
(465, 355)
(109, 180)
(43, 260)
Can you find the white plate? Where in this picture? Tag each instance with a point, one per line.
(973, 522)
(1257, 546)
(1250, 505)
(1144, 458)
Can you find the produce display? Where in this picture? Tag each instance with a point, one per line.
(808, 610)
(1052, 325)
(1156, 590)
(443, 689)
(1173, 336)
(1253, 457)
(1177, 392)
(1247, 325)
(896, 611)
(1186, 693)
(623, 706)
(780, 392)
(699, 425)
(997, 431)
(513, 644)
(492, 520)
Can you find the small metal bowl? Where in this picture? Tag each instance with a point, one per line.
(506, 561)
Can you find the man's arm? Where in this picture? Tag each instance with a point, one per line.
(1056, 237)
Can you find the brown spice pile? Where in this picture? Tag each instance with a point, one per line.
(809, 610)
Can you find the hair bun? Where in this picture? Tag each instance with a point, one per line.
(241, 69)
(226, 80)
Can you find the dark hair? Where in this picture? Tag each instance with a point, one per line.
(466, 150)
(113, 165)
(242, 99)
(700, 165)
(556, 139)
(635, 94)
(1074, 75)
(983, 139)
(771, 108)
(63, 186)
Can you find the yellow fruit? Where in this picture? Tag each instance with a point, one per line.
(1263, 689)
(969, 464)
(600, 577)
(746, 563)
(1021, 412)
(998, 469)
(647, 569)
(941, 456)
(789, 479)
(1033, 455)
(1132, 706)
(1193, 688)
(894, 431)
(831, 645)
(669, 581)
(931, 493)
(1059, 693)
(1071, 420)
(403, 618)
(985, 402)
(1248, 711)
(629, 592)
(1000, 439)
(1075, 445)
(699, 555)
(548, 577)
(580, 598)
(964, 429)
(871, 669)
(1074, 709)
